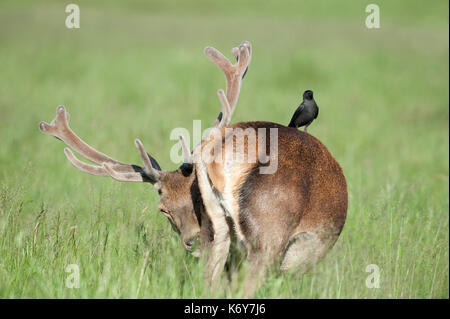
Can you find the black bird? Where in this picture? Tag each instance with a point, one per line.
(306, 112)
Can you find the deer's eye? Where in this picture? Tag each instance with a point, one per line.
(165, 212)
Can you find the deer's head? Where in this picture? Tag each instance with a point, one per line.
(178, 193)
(180, 198)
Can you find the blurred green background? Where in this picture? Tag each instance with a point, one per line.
(137, 69)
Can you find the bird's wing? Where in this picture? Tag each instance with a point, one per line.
(317, 112)
(296, 115)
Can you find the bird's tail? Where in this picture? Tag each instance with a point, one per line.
(292, 123)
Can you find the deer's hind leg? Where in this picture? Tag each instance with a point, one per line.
(303, 252)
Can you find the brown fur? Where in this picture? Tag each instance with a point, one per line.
(307, 190)
(295, 214)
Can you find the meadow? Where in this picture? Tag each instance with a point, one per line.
(136, 69)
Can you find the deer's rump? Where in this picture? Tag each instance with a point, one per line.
(307, 192)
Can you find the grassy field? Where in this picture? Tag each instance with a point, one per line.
(138, 70)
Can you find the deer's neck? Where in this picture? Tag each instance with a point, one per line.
(206, 230)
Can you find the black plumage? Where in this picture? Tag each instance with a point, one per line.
(306, 112)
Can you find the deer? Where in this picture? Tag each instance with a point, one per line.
(292, 215)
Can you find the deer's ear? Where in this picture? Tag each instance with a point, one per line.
(154, 162)
(186, 169)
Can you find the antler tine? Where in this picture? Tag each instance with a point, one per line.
(244, 57)
(106, 170)
(87, 168)
(226, 110)
(188, 159)
(123, 177)
(219, 59)
(235, 52)
(149, 170)
(224, 116)
(241, 66)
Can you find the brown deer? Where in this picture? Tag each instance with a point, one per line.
(293, 214)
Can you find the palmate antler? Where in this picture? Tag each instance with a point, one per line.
(108, 166)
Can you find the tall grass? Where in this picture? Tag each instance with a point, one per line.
(137, 70)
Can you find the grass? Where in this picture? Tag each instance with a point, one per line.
(137, 70)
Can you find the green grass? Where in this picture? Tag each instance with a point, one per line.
(138, 70)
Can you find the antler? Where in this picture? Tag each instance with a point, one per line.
(234, 73)
(60, 129)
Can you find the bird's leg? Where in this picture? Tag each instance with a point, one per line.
(306, 128)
